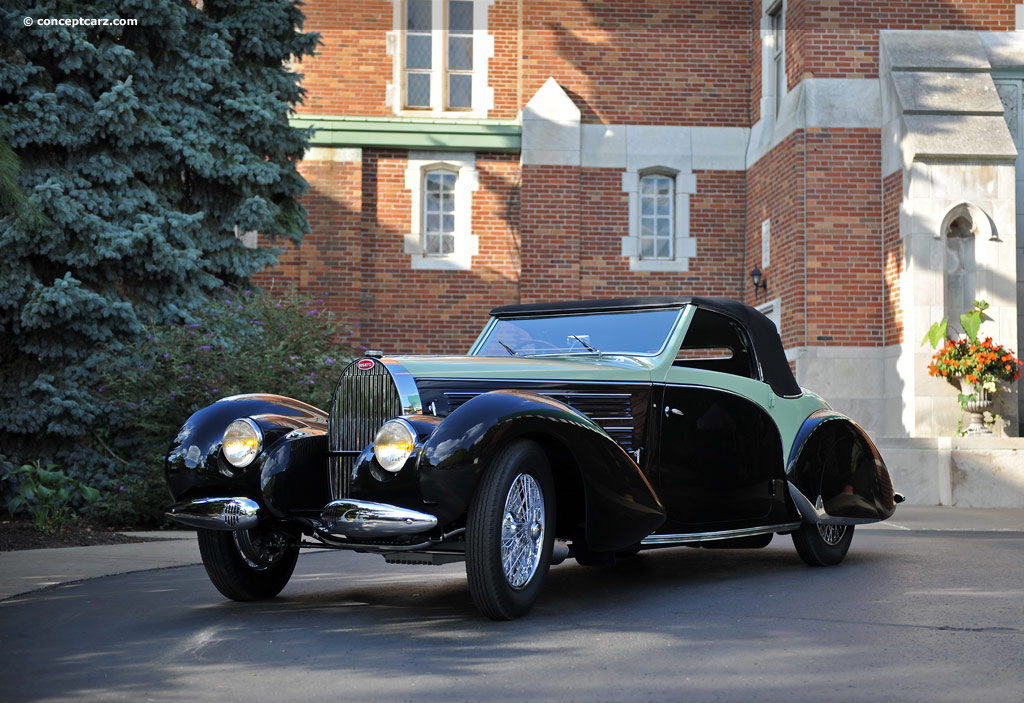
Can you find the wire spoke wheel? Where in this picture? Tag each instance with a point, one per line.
(522, 531)
(823, 545)
(510, 531)
(832, 534)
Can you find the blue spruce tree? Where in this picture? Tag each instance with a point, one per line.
(143, 151)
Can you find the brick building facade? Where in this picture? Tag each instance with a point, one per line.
(474, 153)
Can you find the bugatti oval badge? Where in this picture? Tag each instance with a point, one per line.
(365, 364)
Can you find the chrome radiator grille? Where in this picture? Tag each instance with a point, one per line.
(364, 399)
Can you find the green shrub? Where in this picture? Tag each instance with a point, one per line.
(48, 496)
(244, 342)
(137, 502)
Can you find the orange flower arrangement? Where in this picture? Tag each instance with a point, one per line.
(980, 363)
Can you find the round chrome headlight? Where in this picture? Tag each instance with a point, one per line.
(242, 441)
(394, 444)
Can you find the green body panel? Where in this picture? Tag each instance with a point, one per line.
(411, 132)
(623, 369)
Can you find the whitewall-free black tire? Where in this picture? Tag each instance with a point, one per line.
(248, 565)
(510, 532)
(823, 545)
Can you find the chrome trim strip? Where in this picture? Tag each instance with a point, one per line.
(360, 518)
(721, 534)
(814, 513)
(217, 513)
(406, 385)
(431, 545)
(592, 396)
(535, 381)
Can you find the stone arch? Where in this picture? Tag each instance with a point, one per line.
(978, 220)
(963, 223)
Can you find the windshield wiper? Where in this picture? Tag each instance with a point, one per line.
(510, 350)
(588, 347)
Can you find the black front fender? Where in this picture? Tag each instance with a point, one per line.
(836, 474)
(620, 506)
(290, 472)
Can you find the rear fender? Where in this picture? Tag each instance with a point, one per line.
(836, 475)
(290, 472)
(620, 506)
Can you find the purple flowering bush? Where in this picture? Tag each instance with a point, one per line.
(244, 342)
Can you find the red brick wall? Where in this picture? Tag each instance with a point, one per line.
(351, 70)
(642, 62)
(841, 39)
(550, 233)
(504, 69)
(354, 258)
(892, 196)
(844, 238)
(715, 220)
(775, 191)
(573, 222)
(396, 300)
(838, 299)
(325, 268)
(828, 39)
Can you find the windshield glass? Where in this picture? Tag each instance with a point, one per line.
(634, 332)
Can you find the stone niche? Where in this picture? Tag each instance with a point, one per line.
(944, 128)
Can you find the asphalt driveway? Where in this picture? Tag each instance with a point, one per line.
(917, 612)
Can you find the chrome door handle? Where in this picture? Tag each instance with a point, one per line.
(673, 411)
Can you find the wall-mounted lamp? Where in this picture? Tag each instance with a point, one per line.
(757, 278)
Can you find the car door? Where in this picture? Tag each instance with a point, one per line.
(719, 451)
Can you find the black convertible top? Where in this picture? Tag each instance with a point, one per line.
(763, 335)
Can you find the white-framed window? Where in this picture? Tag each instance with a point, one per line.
(773, 57)
(440, 50)
(439, 212)
(459, 61)
(441, 186)
(418, 53)
(659, 219)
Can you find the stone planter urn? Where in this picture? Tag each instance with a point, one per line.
(976, 409)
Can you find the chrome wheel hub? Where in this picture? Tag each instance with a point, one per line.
(522, 531)
(261, 549)
(832, 534)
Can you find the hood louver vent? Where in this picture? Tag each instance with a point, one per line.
(612, 411)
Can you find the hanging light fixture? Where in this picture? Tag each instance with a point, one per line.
(757, 278)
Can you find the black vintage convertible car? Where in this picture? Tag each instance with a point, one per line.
(587, 429)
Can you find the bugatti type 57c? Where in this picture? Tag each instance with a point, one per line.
(589, 429)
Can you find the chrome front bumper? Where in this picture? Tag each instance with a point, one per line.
(217, 513)
(348, 518)
(360, 518)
